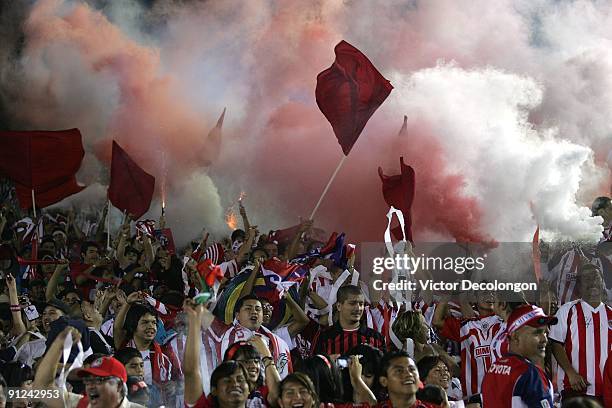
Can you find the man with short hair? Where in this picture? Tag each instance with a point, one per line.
(582, 339)
(105, 380)
(349, 331)
(515, 379)
(400, 377)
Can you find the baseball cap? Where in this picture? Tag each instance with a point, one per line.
(58, 304)
(529, 315)
(104, 367)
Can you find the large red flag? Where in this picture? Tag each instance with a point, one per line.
(398, 191)
(43, 161)
(349, 92)
(131, 188)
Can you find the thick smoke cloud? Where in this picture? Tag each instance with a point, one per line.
(507, 105)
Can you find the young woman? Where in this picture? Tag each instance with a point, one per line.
(253, 355)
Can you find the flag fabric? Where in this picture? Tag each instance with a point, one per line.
(284, 236)
(166, 240)
(43, 161)
(213, 141)
(349, 92)
(398, 191)
(264, 288)
(334, 249)
(131, 188)
(209, 272)
(215, 253)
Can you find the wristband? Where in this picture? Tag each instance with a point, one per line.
(15, 308)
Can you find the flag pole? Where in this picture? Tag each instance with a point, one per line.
(108, 216)
(33, 203)
(327, 187)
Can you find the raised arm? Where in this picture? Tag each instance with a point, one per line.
(291, 251)
(18, 327)
(119, 334)
(101, 224)
(361, 392)
(243, 214)
(58, 273)
(300, 320)
(245, 248)
(198, 318)
(250, 282)
(272, 376)
(45, 372)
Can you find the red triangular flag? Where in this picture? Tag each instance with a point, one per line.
(131, 188)
(398, 192)
(349, 92)
(43, 161)
(213, 141)
(284, 236)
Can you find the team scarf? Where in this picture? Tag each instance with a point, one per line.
(161, 363)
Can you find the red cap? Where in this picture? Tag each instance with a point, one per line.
(529, 315)
(105, 367)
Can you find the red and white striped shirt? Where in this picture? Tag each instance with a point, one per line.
(500, 345)
(475, 336)
(586, 333)
(565, 273)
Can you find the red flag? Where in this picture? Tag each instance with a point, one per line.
(43, 161)
(349, 92)
(284, 236)
(131, 188)
(213, 141)
(209, 272)
(398, 192)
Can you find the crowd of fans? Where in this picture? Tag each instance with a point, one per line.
(123, 321)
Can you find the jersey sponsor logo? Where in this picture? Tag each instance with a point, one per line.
(500, 369)
(482, 351)
(282, 362)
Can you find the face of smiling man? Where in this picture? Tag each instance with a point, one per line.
(103, 391)
(401, 378)
(233, 390)
(250, 314)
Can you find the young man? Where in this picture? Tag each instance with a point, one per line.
(583, 337)
(104, 380)
(400, 376)
(349, 331)
(136, 324)
(475, 336)
(515, 379)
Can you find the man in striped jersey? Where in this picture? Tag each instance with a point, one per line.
(349, 331)
(583, 337)
(475, 336)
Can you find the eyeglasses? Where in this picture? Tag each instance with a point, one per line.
(253, 361)
(96, 380)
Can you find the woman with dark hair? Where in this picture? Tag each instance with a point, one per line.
(297, 389)
(434, 370)
(252, 355)
(370, 358)
(325, 376)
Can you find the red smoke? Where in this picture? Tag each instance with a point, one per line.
(284, 148)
